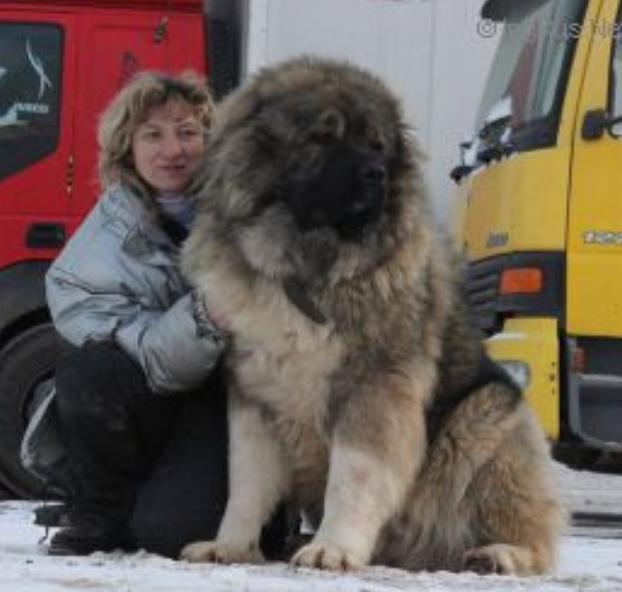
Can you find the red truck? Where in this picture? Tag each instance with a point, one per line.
(60, 63)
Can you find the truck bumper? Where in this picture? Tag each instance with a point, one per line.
(595, 406)
(529, 350)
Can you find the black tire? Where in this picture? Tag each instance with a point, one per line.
(25, 361)
(5, 494)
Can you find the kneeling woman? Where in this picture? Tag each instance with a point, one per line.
(140, 398)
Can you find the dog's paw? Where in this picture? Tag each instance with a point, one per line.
(492, 559)
(218, 552)
(326, 556)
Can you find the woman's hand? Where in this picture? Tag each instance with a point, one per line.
(206, 321)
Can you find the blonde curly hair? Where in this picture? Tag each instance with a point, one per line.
(130, 108)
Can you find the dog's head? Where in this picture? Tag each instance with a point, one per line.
(310, 168)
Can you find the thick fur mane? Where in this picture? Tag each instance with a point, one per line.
(263, 155)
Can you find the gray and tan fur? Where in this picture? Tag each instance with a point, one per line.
(359, 387)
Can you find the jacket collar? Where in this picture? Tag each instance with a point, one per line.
(145, 239)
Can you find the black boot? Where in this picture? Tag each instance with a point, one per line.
(84, 540)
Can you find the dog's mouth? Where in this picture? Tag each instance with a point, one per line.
(364, 211)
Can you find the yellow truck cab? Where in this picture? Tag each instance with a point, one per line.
(540, 216)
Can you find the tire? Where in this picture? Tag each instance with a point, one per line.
(25, 361)
(5, 494)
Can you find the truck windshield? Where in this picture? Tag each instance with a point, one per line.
(531, 64)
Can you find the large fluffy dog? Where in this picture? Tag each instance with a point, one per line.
(359, 388)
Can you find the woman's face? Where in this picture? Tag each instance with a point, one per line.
(167, 148)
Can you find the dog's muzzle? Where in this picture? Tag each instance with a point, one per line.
(348, 195)
(365, 205)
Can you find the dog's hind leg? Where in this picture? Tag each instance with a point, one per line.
(433, 529)
(518, 516)
(483, 500)
(258, 481)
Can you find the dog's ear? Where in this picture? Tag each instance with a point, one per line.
(331, 125)
(237, 108)
(222, 173)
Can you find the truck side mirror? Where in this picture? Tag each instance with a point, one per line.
(458, 172)
(597, 121)
(615, 127)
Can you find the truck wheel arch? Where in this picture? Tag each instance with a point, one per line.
(22, 297)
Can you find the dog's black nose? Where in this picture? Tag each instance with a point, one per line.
(374, 173)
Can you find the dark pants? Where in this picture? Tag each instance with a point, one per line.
(156, 463)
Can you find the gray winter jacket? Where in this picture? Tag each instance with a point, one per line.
(117, 278)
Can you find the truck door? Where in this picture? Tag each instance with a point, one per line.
(115, 45)
(37, 56)
(594, 254)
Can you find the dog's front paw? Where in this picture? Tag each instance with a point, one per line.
(492, 559)
(326, 556)
(218, 552)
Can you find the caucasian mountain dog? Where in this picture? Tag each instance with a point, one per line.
(360, 388)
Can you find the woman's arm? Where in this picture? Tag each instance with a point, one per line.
(175, 351)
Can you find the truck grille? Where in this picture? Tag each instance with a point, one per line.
(490, 309)
(482, 293)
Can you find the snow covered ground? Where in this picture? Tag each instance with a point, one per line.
(587, 563)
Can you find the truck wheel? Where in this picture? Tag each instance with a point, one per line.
(25, 362)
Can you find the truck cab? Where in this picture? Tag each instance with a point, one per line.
(60, 63)
(540, 216)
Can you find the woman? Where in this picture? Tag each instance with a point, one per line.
(140, 398)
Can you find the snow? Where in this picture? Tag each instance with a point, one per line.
(587, 563)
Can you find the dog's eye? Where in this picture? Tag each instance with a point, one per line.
(328, 127)
(322, 137)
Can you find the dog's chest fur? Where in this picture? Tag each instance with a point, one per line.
(281, 360)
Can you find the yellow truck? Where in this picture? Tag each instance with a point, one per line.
(540, 216)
